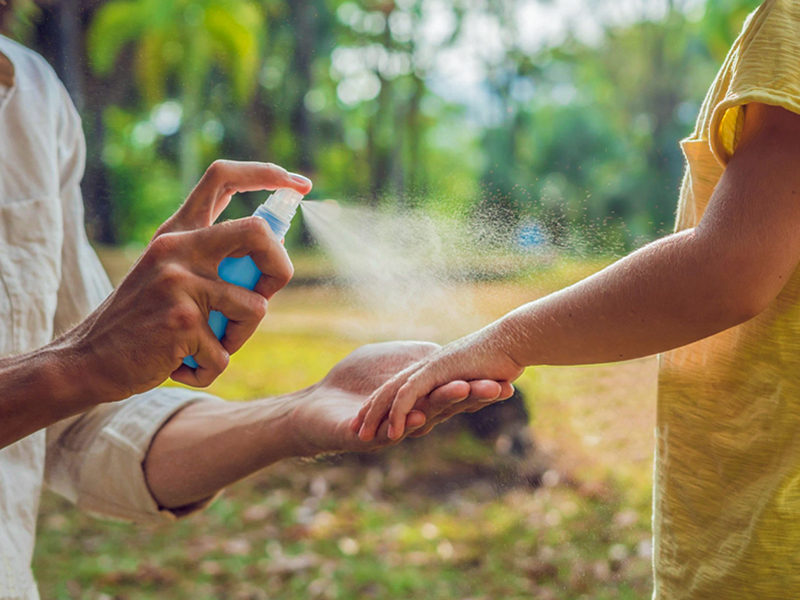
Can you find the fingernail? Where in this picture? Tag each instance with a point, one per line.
(300, 178)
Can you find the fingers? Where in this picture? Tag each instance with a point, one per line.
(251, 236)
(432, 405)
(225, 178)
(415, 420)
(422, 431)
(212, 359)
(444, 397)
(438, 407)
(397, 398)
(485, 390)
(373, 412)
(405, 400)
(243, 309)
(506, 390)
(450, 393)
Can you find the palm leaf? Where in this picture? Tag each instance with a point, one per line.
(237, 30)
(151, 66)
(116, 23)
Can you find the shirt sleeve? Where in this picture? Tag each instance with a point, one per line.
(96, 459)
(764, 67)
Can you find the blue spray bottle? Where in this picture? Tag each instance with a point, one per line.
(278, 211)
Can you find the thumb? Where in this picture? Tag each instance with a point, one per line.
(221, 181)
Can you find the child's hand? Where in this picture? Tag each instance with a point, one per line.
(475, 357)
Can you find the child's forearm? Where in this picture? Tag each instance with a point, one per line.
(690, 285)
(673, 292)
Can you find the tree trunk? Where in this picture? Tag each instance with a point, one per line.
(416, 178)
(188, 144)
(304, 17)
(60, 37)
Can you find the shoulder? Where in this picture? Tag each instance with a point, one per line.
(40, 91)
(771, 125)
(36, 81)
(30, 67)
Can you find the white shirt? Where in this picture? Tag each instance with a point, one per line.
(50, 279)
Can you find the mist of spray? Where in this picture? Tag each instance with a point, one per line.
(404, 268)
(413, 274)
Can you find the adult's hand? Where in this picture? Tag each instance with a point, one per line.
(158, 315)
(323, 419)
(182, 467)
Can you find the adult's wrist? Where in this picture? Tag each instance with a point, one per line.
(70, 372)
(40, 388)
(298, 435)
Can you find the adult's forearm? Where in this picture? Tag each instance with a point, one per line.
(40, 388)
(209, 445)
(670, 293)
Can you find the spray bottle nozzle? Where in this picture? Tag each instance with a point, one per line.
(279, 209)
(283, 203)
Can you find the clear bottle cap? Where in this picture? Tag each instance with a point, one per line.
(283, 203)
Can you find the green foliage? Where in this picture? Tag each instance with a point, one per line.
(178, 43)
(115, 25)
(181, 39)
(141, 203)
(580, 134)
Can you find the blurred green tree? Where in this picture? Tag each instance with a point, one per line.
(450, 105)
(178, 43)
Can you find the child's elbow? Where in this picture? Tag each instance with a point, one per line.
(746, 309)
(739, 281)
(748, 299)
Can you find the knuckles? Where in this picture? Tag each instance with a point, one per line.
(204, 378)
(278, 171)
(259, 308)
(183, 317)
(166, 227)
(256, 234)
(215, 173)
(285, 273)
(208, 375)
(171, 276)
(255, 230)
(162, 246)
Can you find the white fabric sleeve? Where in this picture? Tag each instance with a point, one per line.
(95, 460)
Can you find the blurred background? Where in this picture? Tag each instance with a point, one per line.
(559, 118)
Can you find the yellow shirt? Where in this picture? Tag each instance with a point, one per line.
(726, 514)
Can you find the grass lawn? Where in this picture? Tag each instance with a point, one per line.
(443, 517)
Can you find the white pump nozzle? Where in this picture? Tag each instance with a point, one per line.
(283, 203)
(279, 209)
